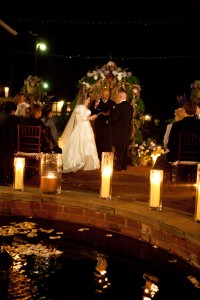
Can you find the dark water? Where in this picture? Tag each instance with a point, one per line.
(55, 260)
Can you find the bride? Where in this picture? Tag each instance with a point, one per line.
(77, 140)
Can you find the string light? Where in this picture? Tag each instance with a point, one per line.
(114, 58)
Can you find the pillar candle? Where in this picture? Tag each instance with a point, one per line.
(156, 177)
(19, 164)
(48, 184)
(197, 201)
(6, 89)
(106, 182)
(197, 213)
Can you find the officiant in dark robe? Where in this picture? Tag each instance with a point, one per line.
(103, 106)
(120, 122)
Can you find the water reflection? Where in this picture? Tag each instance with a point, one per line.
(101, 279)
(150, 289)
(83, 263)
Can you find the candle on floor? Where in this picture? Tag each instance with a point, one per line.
(106, 182)
(197, 200)
(106, 174)
(19, 164)
(6, 89)
(156, 180)
(48, 183)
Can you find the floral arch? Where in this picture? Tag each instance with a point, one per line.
(116, 79)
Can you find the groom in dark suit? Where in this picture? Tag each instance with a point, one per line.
(120, 122)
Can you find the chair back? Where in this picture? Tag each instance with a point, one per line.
(189, 146)
(29, 138)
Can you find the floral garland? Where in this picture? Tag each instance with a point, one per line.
(112, 77)
(32, 84)
(195, 93)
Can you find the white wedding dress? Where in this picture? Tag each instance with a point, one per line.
(78, 143)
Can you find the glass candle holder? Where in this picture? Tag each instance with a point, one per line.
(197, 199)
(49, 173)
(19, 167)
(106, 175)
(156, 185)
(59, 168)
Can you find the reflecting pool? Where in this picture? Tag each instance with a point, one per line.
(56, 260)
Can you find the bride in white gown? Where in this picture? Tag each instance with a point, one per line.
(77, 141)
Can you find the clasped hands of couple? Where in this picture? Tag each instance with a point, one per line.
(93, 117)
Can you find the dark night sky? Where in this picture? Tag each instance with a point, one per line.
(155, 40)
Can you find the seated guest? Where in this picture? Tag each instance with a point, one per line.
(49, 122)
(21, 100)
(8, 138)
(189, 123)
(179, 115)
(32, 117)
(198, 111)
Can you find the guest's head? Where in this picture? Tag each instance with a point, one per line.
(190, 107)
(180, 114)
(20, 98)
(198, 108)
(34, 111)
(47, 111)
(10, 107)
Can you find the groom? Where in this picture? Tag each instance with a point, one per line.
(120, 122)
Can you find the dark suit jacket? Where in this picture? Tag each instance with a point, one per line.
(191, 124)
(8, 134)
(120, 121)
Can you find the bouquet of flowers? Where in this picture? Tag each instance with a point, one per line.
(33, 83)
(145, 152)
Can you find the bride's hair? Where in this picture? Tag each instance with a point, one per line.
(83, 97)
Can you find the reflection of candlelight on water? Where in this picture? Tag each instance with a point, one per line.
(6, 89)
(101, 279)
(197, 202)
(106, 182)
(150, 289)
(48, 183)
(156, 178)
(19, 164)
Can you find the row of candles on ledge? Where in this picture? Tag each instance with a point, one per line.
(51, 177)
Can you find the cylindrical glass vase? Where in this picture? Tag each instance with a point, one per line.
(49, 173)
(60, 168)
(19, 167)
(106, 175)
(197, 200)
(156, 186)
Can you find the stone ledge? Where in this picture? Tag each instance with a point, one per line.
(172, 230)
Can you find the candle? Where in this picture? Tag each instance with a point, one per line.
(106, 182)
(156, 177)
(6, 89)
(197, 209)
(48, 183)
(197, 203)
(19, 164)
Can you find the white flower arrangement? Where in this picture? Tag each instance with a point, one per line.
(109, 71)
(33, 81)
(195, 84)
(147, 148)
